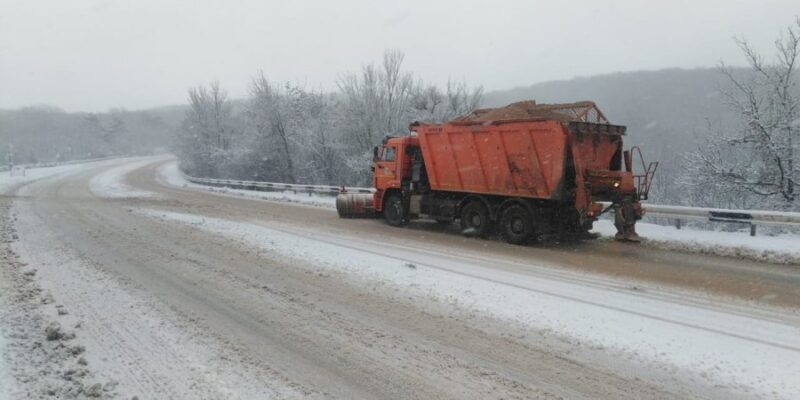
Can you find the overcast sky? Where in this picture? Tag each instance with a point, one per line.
(91, 55)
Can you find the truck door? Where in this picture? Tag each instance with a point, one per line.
(386, 168)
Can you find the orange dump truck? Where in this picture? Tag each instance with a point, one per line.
(528, 169)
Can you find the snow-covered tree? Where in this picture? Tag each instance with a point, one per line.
(208, 131)
(271, 113)
(321, 138)
(432, 105)
(759, 161)
(383, 100)
(377, 100)
(290, 134)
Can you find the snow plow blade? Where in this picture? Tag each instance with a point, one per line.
(355, 205)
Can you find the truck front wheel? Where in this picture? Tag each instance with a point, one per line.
(517, 225)
(393, 211)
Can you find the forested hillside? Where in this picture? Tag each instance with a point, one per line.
(39, 134)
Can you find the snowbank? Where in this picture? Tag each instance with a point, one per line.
(9, 180)
(111, 183)
(171, 175)
(711, 344)
(784, 248)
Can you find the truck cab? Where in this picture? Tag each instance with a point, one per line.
(393, 162)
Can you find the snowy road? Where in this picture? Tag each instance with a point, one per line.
(175, 292)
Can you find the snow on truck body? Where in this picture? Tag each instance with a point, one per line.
(533, 169)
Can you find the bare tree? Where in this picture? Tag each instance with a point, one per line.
(433, 105)
(397, 92)
(271, 114)
(293, 135)
(429, 103)
(461, 100)
(318, 137)
(207, 131)
(378, 100)
(761, 159)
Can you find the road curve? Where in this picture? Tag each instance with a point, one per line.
(292, 329)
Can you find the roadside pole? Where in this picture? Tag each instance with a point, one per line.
(10, 159)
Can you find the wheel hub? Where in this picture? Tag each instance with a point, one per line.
(475, 220)
(517, 225)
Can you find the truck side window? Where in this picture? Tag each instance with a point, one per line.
(389, 154)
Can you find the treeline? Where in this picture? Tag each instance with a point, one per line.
(46, 134)
(286, 133)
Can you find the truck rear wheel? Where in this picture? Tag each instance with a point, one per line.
(517, 224)
(393, 211)
(475, 219)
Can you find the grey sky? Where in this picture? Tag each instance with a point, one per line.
(92, 55)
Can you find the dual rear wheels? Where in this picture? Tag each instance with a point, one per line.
(516, 222)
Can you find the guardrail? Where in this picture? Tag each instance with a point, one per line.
(4, 168)
(752, 218)
(270, 186)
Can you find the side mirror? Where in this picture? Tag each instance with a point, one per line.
(375, 154)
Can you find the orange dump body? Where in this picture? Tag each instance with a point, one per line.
(531, 159)
(523, 159)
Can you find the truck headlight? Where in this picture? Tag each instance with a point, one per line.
(616, 184)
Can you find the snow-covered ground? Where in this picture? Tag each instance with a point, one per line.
(171, 175)
(115, 321)
(783, 248)
(111, 183)
(635, 326)
(9, 180)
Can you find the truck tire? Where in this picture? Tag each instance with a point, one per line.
(393, 211)
(517, 223)
(475, 220)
